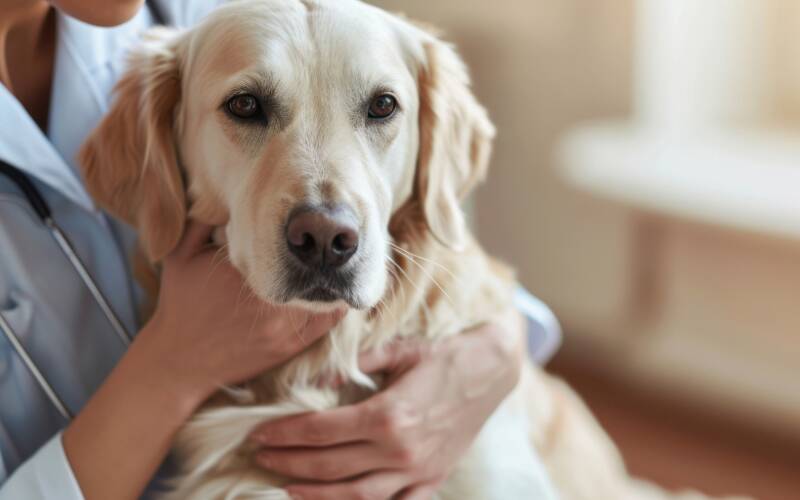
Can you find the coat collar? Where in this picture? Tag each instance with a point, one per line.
(87, 62)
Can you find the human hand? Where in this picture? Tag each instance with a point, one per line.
(407, 438)
(208, 331)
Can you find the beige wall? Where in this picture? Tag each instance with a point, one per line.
(541, 66)
(707, 314)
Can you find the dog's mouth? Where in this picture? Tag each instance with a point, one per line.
(325, 296)
(321, 287)
(320, 294)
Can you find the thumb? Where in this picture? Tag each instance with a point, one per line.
(387, 359)
(419, 492)
(390, 357)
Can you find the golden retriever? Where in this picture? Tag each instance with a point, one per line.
(331, 143)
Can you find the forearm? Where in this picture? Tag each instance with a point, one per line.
(117, 442)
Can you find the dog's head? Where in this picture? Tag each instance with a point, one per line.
(300, 127)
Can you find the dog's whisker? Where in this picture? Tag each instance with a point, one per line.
(398, 289)
(422, 304)
(220, 255)
(434, 281)
(382, 312)
(253, 323)
(379, 310)
(395, 286)
(428, 274)
(393, 297)
(413, 255)
(292, 321)
(243, 288)
(256, 320)
(385, 309)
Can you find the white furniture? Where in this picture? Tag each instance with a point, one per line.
(711, 196)
(742, 180)
(713, 310)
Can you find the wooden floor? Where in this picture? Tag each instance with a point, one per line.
(679, 448)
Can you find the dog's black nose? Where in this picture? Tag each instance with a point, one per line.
(321, 236)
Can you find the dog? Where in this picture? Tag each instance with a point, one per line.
(332, 143)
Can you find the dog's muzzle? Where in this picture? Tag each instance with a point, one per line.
(322, 241)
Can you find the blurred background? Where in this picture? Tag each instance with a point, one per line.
(646, 185)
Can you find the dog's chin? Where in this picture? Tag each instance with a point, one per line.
(317, 299)
(314, 296)
(318, 302)
(320, 290)
(323, 299)
(320, 307)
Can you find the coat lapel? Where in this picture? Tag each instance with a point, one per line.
(88, 61)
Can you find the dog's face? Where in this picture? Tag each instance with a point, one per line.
(304, 131)
(299, 127)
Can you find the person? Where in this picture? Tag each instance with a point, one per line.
(59, 60)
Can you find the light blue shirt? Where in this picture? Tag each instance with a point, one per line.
(41, 295)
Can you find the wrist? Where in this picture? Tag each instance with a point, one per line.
(126, 429)
(157, 367)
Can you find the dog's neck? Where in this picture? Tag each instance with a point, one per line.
(433, 292)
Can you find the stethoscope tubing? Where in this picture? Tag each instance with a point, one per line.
(68, 250)
(42, 209)
(48, 390)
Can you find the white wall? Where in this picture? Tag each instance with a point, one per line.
(541, 67)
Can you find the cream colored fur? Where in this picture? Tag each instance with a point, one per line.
(166, 150)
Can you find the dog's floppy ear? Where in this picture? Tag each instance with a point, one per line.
(455, 142)
(129, 162)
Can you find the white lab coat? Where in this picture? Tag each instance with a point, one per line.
(41, 294)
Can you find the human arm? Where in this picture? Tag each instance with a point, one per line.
(202, 335)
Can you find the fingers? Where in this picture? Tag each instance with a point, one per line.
(334, 463)
(390, 357)
(375, 486)
(383, 359)
(195, 238)
(419, 492)
(378, 360)
(345, 424)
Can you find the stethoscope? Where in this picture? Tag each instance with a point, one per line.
(42, 210)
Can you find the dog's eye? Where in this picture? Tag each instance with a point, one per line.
(382, 106)
(244, 106)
